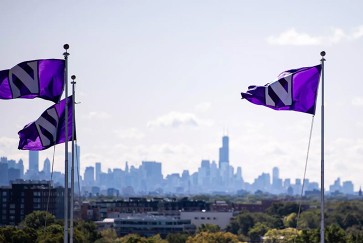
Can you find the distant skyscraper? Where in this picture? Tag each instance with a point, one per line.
(275, 174)
(224, 151)
(21, 168)
(151, 174)
(46, 167)
(34, 162)
(98, 173)
(89, 176)
(4, 176)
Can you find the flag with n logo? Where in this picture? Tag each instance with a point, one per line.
(31, 79)
(48, 129)
(294, 90)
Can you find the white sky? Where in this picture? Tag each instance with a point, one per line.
(161, 80)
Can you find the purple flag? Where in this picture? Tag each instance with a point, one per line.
(294, 90)
(38, 78)
(48, 129)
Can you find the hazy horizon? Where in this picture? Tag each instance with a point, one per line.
(161, 81)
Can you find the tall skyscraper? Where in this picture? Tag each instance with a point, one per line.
(46, 167)
(275, 173)
(33, 162)
(98, 173)
(224, 151)
(89, 176)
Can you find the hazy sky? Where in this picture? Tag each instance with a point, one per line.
(161, 81)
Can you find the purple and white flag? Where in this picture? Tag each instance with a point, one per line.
(294, 90)
(30, 79)
(48, 129)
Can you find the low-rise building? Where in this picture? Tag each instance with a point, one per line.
(221, 219)
(148, 225)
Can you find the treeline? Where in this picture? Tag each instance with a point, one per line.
(280, 223)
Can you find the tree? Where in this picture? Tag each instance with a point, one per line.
(107, 235)
(88, 229)
(354, 235)
(290, 220)
(257, 231)
(283, 209)
(206, 237)
(334, 234)
(51, 234)
(212, 228)
(309, 220)
(288, 235)
(177, 238)
(38, 219)
(14, 235)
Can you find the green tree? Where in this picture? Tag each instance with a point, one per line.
(288, 235)
(334, 234)
(257, 231)
(212, 228)
(177, 238)
(52, 234)
(88, 229)
(311, 236)
(309, 220)
(350, 220)
(14, 235)
(241, 224)
(107, 235)
(290, 221)
(38, 219)
(156, 239)
(354, 235)
(206, 237)
(283, 209)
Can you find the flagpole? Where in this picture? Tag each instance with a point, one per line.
(66, 54)
(73, 77)
(322, 226)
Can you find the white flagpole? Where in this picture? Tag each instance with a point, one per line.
(66, 54)
(322, 224)
(73, 77)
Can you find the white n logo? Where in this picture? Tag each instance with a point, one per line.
(276, 92)
(47, 125)
(24, 77)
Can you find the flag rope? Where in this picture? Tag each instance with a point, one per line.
(51, 178)
(303, 184)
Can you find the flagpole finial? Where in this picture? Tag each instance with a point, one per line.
(73, 77)
(322, 54)
(66, 46)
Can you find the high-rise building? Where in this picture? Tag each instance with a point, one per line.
(89, 176)
(224, 151)
(275, 174)
(21, 168)
(98, 173)
(151, 174)
(33, 162)
(46, 167)
(23, 197)
(4, 176)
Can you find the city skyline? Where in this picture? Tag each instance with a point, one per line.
(161, 81)
(211, 177)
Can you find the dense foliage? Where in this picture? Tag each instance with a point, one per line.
(279, 223)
